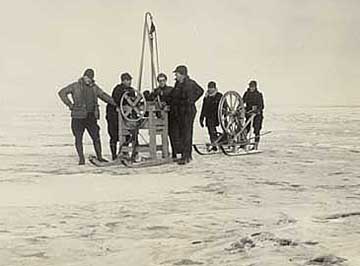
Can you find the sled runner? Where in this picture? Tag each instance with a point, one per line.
(235, 139)
(128, 162)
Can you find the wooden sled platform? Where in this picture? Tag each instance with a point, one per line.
(127, 163)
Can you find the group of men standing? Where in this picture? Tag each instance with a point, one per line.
(254, 104)
(181, 99)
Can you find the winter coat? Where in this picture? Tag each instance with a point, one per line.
(117, 93)
(78, 106)
(185, 95)
(209, 110)
(163, 93)
(254, 98)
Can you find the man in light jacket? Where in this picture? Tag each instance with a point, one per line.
(85, 111)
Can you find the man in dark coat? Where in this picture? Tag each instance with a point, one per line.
(164, 94)
(209, 111)
(185, 94)
(163, 91)
(254, 102)
(85, 111)
(112, 115)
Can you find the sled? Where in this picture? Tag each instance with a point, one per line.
(206, 149)
(239, 152)
(145, 163)
(94, 160)
(235, 139)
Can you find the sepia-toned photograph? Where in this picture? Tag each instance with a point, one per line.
(177, 133)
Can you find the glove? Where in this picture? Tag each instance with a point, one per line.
(71, 107)
(202, 123)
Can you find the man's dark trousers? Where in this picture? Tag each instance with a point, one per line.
(78, 127)
(174, 134)
(211, 126)
(113, 130)
(257, 125)
(193, 115)
(185, 130)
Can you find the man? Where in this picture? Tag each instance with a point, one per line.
(184, 97)
(112, 113)
(164, 93)
(85, 111)
(254, 105)
(209, 111)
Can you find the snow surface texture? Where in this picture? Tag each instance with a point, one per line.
(297, 203)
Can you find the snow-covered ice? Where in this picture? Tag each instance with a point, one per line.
(296, 203)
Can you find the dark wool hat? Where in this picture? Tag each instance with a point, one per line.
(212, 84)
(161, 75)
(125, 76)
(90, 73)
(253, 83)
(181, 69)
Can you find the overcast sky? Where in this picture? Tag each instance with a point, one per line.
(301, 52)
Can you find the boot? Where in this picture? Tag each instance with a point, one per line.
(80, 152)
(183, 160)
(174, 157)
(256, 146)
(213, 148)
(97, 147)
(113, 148)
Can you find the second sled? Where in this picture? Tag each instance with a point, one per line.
(236, 139)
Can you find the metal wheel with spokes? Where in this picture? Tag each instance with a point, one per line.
(133, 106)
(231, 113)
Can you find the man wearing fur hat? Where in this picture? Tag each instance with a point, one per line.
(85, 111)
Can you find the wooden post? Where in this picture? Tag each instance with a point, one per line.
(155, 125)
(164, 135)
(152, 132)
(121, 129)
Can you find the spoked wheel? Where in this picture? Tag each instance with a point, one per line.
(231, 114)
(133, 106)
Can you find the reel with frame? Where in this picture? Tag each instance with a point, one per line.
(133, 109)
(235, 139)
(136, 114)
